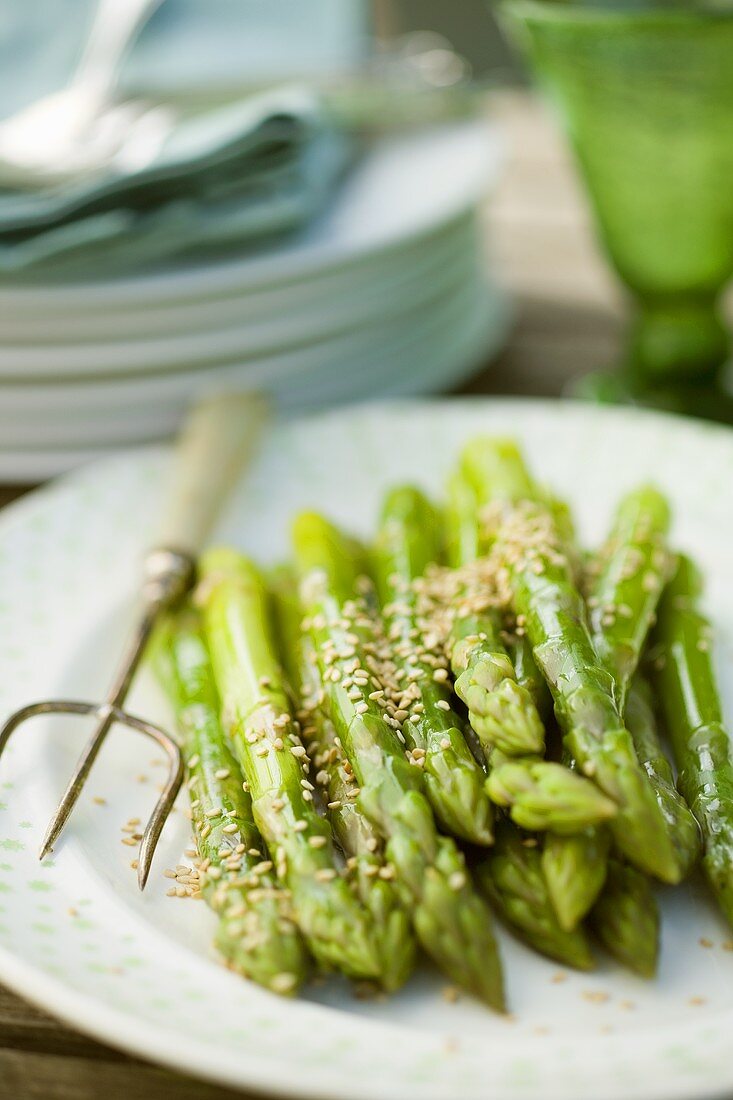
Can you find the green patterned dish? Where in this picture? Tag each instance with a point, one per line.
(138, 970)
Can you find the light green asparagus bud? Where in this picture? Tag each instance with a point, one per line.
(626, 919)
(256, 933)
(511, 876)
(257, 717)
(541, 795)
(500, 710)
(574, 869)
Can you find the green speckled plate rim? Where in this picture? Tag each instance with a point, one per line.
(690, 1059)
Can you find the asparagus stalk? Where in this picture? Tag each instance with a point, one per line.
(501, 711)
(407, 544)
(256, 933)
(528, 675)
(359, 840)
(541, 795)
(574, 869)
(451, 921)
(626, 581)
(685, 683)
(541, 588)
(642, 725)
(626, 919)
(265, 739)
(511, 877)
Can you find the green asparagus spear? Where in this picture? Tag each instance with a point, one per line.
(626, 919)
(574, 869)
(681, 824)
(541, 795)
(534, 568)
(686, 685)
(625, 582)
(511, 877)
(528, 675)
(451, 921)
(356, 835)
(502, 712)
(407, 543)
(257, 717)
(256, 932)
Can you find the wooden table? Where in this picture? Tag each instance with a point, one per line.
(568, 320)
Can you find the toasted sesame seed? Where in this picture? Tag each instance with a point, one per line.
(300, 826)
(317, 841)
(442, 704)
(705, 942)
(325, 874)
(457, 880)
(335, 805)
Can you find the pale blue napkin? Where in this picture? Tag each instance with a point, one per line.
(225, 177)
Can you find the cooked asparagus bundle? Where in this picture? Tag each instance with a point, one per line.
(359, 840)
(407, 544)
(626, 918)
(686, 686)
(257, 718)
(452, 923)
(256, 932)
(511, 876)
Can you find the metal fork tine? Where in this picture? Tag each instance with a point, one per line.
(110, 716)
(77, 780)
(168, 795)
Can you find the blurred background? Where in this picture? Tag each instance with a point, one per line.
(338, 200)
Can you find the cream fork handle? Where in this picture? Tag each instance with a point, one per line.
(218, 440)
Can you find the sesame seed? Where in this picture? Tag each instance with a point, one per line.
(300, 826)
(325, 874)
(335, 805)
(222, 773)
(442, 704)
(457, 880)
(317, 841)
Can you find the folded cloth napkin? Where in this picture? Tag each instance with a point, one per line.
(221, 177)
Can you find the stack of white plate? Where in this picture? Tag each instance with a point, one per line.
(387, 293)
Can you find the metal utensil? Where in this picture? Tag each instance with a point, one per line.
(72, 130)
(214, 446)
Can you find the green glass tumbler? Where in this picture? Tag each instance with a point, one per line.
(646, 96)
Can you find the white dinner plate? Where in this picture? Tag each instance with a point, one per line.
(402, 189)
(423, 364)
(289, 371)
(323, 299)
(137, 970)
(215, 340)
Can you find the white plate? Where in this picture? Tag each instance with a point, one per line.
(323, 299)
(430, 349)
(215, 340)
(341, 356)
(137, 971)
(404, 188)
